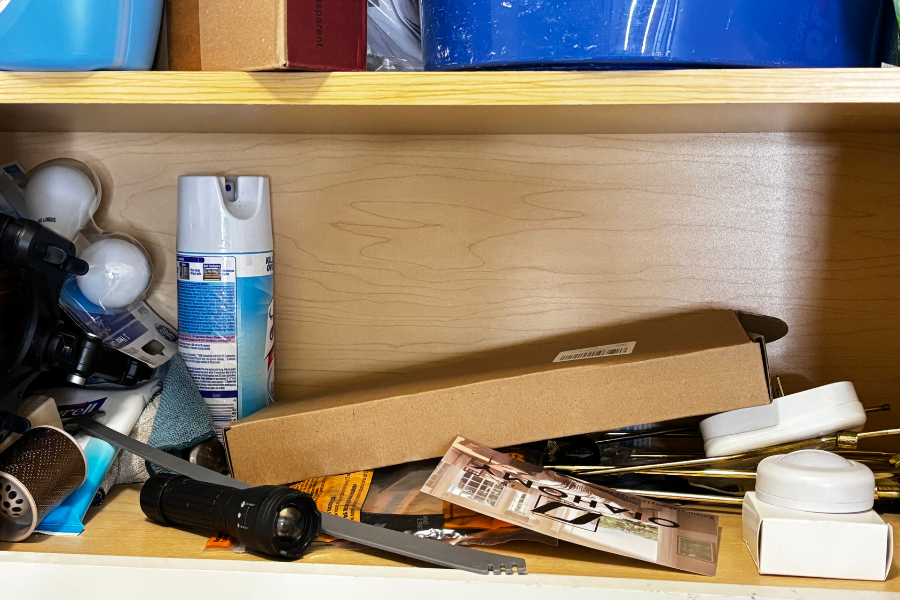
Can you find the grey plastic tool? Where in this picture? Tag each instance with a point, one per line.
(404, 544)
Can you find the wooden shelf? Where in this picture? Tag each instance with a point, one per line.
(398, 251)
(681, 101)
(120, 529)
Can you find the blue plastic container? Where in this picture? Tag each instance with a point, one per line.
(78, 35)
(578, 34)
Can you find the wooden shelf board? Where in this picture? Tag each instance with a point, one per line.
(500, 88)
(455, 103)
(119, 528)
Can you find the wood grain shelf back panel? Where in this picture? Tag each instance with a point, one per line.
(393, 252)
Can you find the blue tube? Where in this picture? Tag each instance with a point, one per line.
(547, 34)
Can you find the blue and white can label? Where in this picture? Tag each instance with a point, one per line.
(226, 331)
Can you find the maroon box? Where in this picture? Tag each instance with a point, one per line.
(271, 35)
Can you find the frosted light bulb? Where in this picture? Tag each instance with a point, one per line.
(119, 273)
(61, 198)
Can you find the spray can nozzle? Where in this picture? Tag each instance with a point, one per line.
(230, 189)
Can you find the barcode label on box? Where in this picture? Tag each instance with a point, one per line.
(596, 352)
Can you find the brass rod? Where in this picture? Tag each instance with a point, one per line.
(730, 500)
(678, 455)
(685, 497)
(866, 454)
(712, 473)
(842, 440)
(725, 474)
(845, 440)
(872, 434)
(763, 452)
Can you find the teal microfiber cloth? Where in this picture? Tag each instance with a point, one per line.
(183, 420)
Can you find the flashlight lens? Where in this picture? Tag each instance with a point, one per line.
(289, 523)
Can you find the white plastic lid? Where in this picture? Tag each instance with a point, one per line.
(780, 410)
(224, 214)
(815, 481)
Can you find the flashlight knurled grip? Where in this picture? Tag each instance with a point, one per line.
(190, 503)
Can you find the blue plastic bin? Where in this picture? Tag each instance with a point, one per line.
(78, 35)
(547, 34)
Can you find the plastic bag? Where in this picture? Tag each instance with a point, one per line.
(394, 36)
(890, 33)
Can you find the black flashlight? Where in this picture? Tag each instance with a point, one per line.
(274, 520)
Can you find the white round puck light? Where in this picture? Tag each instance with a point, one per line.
(815, 481)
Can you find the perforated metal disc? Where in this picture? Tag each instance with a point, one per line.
(18, 514)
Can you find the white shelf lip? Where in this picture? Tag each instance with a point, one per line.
(49, 576)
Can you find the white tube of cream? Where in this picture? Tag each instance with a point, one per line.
(121, 408)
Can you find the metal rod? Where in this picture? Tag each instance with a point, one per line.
(882, 408)
(761, 453)
(667, 455)
(860, 455)
(712, 473)
(643, 434)
(846, 440)
(870, 454)
(639, 456)
(880, 494)
(881, 433)
(686, 497)
(729, 474)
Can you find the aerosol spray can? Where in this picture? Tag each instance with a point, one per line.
(226, 292)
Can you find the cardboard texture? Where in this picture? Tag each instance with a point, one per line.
(783, 541)
(183, 35)
(681, 366)
(266, 35)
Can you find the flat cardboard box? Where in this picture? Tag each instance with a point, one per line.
(267, 35)
(680, 366)
(783, 541)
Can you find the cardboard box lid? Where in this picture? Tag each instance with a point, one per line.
(684, 365)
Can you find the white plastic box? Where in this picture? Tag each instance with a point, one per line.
(783, 541)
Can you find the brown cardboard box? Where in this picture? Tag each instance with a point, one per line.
(266, 35)
(680, 366)
(183, 34)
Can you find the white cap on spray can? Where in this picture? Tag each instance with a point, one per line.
(224, 214)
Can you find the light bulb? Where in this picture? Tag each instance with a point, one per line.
(61, 198)
(119, 273)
